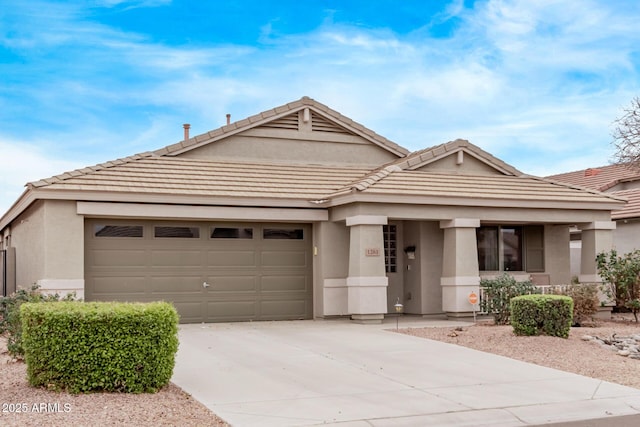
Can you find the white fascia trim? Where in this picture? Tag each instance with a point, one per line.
(461, 223)
(367, 281)
(366, 220)
(140, 210)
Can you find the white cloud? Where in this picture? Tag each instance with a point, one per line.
(24, 163)
(528, 81)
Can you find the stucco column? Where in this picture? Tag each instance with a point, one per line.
(596, 237)
(460, 272)
(367, 280)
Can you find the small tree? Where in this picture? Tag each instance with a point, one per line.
(621, 276)
(626, 135)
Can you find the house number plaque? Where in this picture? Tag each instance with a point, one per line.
(372, 251)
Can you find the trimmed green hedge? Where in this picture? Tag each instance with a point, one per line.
(82, 347)
(542, 315)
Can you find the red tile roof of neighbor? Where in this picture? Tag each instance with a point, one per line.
(601, 178)
(606, 178)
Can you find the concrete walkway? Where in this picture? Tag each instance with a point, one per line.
(334, 372)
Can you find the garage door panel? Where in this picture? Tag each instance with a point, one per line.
(219, 284)
(177, 285)
(284, 259)
(276, 310)
(115, 258)
(283, 283)
(190, 312)
(232, 310)
(129, 285)
(230, 258)
(176, 258)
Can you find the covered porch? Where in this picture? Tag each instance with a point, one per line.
(431, 265)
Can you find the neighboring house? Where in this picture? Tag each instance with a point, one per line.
(618, 180)
(298, 212)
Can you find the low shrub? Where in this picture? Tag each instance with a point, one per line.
(82, 347)
(497, 294)
(585, 300)
(10, 315)
(542, 315)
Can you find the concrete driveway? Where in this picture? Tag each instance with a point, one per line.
(333, 372)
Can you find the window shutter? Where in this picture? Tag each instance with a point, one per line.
(534, 248)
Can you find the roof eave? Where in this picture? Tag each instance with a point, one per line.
(18, 207)
(359, 197)
(161, 198)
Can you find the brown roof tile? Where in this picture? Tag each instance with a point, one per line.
(176, 176)
(632, 208)
(601, 178)
(498, 187)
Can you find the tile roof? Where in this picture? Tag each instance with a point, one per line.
(487, 187)
(422, 157)
(148, 174)
(605, 178)
(601, 178)
(632, 208)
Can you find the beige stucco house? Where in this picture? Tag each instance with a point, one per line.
(298, 212)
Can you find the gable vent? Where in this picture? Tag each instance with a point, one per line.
(320, 124)
(287, 122)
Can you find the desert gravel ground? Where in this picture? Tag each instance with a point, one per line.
(570, 355)
(172, 406)
(23, 405)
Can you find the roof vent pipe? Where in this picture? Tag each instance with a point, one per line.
(186, 127)
(228, 118)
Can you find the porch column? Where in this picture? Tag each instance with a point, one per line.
(460, 272)
(367, 281)
(596, 237)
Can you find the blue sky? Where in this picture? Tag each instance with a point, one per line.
(536, 83)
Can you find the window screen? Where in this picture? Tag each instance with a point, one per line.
(231, 233)
(179, 232)
(117, 230)
(283, 233)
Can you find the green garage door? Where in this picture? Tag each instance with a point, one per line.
(211, 272)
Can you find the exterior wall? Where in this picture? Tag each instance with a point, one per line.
(557, 255)
(597, 237)
(49, 242)
(28, 237)
(294, 147)
(625, 236)
(331, 267)
(470, 165)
